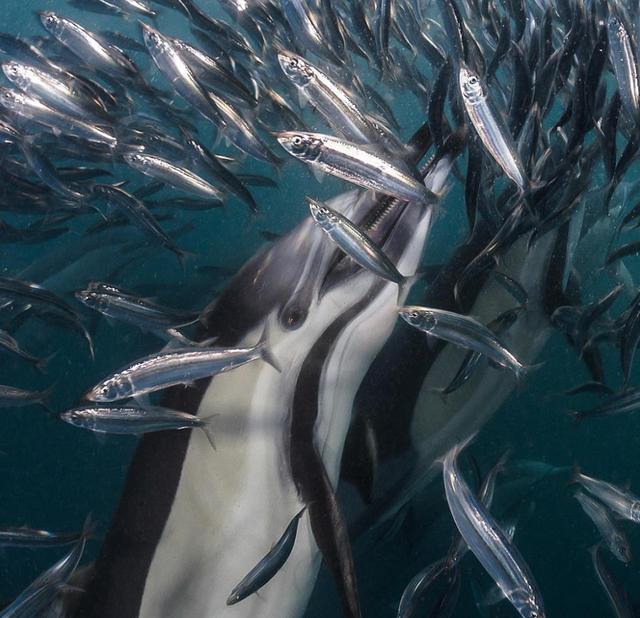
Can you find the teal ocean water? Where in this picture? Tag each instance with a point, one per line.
(54, 475)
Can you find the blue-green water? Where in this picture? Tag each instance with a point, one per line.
(54, 474)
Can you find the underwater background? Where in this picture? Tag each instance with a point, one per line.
(53, 474)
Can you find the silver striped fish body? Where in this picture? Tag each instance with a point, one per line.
(174, 366)
(87, 47)
(491, 130)
(610, 532)
(354, 242)
(50, 88)
(176, 71)
(174, 175)
(237, 129)
(625, 65)
(489, 543)
(306, 30)
(33, 109)
(624, 503)
(328, 97)
(615, 593)
(353, 163)
(130, 420)
(462, 330)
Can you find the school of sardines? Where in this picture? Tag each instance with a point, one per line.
(528, 109)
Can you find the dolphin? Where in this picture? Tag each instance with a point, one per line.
(191, 521)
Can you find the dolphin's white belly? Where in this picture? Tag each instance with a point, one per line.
(234, 503)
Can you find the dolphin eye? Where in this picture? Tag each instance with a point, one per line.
(293, 317)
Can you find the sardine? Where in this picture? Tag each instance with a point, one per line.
(269, 565)
(88, 47)
(463, 331)
(33, 109)
(354, 242)
(328, 97)
(624, 503)
(174, 175)
(610, 532)
(615, 593)
(492, 132)
(122, 305)
(135, 420)
(172, 367)
(488, 542)
(355, 164)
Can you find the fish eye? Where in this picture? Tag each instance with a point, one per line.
(414, 315)
(473, 80)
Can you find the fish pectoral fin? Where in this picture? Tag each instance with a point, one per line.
(493, 596)
(318, 173)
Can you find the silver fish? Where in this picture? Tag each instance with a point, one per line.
(59, 93)
(624, 64)
(28, 537)
(269, 565)
(491, 130)
(177, 72)
(418, 586)
(237, 129)
(13, 397)
(174, 175)
(622, 402)
(33, 109)
(174, 366)
(489, 543)
(615, 593)
(136, 211)
(41, 592)
(610, 532)
(88, 47)
(463, 331)
(355, 164)
(354, 242)
(135, 420)
(328, 97)
(121, 305)
(624, 503)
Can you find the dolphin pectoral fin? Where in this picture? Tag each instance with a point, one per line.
(330, 530)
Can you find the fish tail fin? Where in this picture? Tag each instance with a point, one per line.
(184, 256)
(521, 372)
(44, 398)
(207, 428)
(265, 353)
